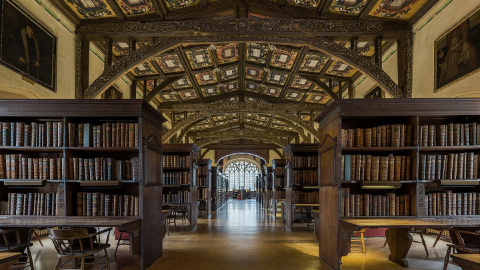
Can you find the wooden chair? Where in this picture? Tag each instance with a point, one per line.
(17, 240)
(463, 242)
(122, 240)
(78, 243)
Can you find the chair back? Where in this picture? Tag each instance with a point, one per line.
(14, 239)
(70, 241)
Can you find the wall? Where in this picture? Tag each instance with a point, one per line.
(423, 52)
(11, 83)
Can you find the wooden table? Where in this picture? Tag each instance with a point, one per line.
(467, 261)
(398, 238)
(7, 259)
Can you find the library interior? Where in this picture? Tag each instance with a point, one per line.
(240, 134)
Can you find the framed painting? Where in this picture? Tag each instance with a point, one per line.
(376, 92)
(26, 46)
(457, 52)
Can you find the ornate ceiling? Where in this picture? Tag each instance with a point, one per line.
(188, 79)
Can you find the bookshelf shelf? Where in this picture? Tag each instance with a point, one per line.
(278, 184)
(49, 166)
(181, 180)
(425, 150)
(219, 188)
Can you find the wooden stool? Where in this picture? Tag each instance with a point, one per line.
(355, 239)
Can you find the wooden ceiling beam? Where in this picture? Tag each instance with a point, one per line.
(160, 8)
(116, 9)
(324, 7)
(366, 9)
(219, 9)
(324, 86)
(159, 88)
(188, 71)
(241, 70)
(423, 10)
(296, 66)
(274, 10)
(67, 11)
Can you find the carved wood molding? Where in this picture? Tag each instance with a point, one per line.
(298, 27)
(323, 44)
(234, 136)
(228, 106)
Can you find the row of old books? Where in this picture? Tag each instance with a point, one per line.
(202, 181)
(397, 135)
(280, 182)
(202, 193)
(279, 171)
(281, 194)
(305, 161)
(19, 166)
(376, 168)
(452, 204)
(179, 196)
(451, 134)
(101, 168)
(102, 204)
(37, 204)
(110, 134)
(202, 170)
(305, 177)
(175, 161)
(34, 134)
(391, 204)
(305, 196)
(449, 166)
(176, 178)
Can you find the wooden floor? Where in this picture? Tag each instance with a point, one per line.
(242, 236)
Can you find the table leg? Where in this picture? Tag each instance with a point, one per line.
(399, 242)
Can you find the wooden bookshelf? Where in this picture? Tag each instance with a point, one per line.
(301, 175)
(278, 184)
(204, 187)
(221, 188)
(180, 163)
(268, 184)
(429, 149)
(88, 159)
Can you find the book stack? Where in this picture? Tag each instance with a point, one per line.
(202, 181)
(452, 204)
(102, 204)
(279, 170)
(449, 166)
(354, 205)
(109, 134)
(176, 178)
(281, 194)
(33, 204)
(376, 168)
(305, 177)
(280, 182)
(202, 193)
(19, 166)
(202, 170)
(34, 134)
(451, 134)
(101, 168)
(396, 135)
(305, 162)
(180, 196)
(173, 161)
(305, 197)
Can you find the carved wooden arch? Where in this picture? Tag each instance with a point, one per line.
(194, 118)
(121, 67)
(249, 152)
(206, 142)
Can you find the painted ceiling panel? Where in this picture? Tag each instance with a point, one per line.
(182, 83)
(167, 98)
(301, 83)
(256, 53)
(206, 77)
(294, 95)
(175, 4)
(348, 7)
(305, 3)
(253, 73)
(144, 69)
(231, 86)
(283, 58)
(170, 63)
(339, 68)
(277, 77)
(396, 9)
(151, 84)
(188, 94)
(219, 117)
(230, 72)
(90, 9)
(210, 91)
(320, 97)
(199, 58)
(252, 87)
(314, 63)
(136, 7)
(120, 48)
(227, 53)
(273, 91)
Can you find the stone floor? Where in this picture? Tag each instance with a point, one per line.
(242, 236)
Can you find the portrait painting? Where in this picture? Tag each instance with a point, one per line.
(457, 52)
(26, 46)
(376, 92)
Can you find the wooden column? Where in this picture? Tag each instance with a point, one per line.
(108, 52)
(378, 51)
(81, 65)
(404, 53)
(133, 89)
